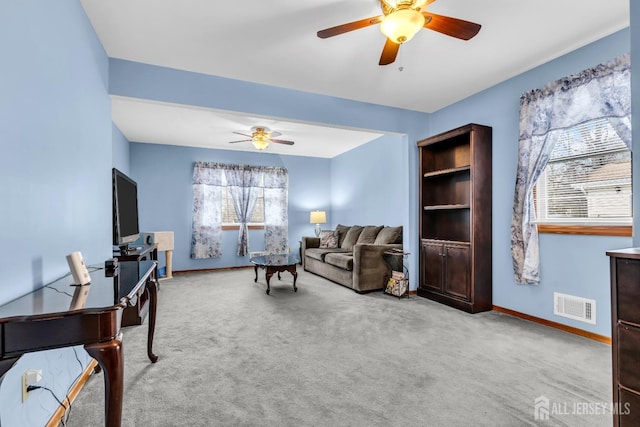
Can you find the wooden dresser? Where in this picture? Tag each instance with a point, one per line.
(625, 335)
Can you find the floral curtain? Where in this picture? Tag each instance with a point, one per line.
(276, 220)
(243, 183)
(206, 240)
(600, 92)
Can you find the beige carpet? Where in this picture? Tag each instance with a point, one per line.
(230, 355)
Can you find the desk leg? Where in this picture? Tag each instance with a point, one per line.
(110, 358)
(152, 288)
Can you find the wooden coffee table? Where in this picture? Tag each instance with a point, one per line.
(276, 264)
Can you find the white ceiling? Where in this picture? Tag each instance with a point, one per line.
(160, 123)
(226, 38)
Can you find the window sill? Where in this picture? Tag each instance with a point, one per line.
(237, 227)
(595, 230)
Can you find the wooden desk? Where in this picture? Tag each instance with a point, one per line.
(45, 319)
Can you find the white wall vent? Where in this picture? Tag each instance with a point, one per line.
(573, 307)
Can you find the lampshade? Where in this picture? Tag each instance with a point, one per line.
(260, 142)
(401, 25)
(318, 217)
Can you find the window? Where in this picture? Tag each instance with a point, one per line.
(214, 187)
(229, 217)
(587, 181)
(570, 161)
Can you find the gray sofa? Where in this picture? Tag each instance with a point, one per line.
(351, 255)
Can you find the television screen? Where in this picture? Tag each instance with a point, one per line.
(125, 209)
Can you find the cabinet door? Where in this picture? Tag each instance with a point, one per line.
(627, 289)
(628, 345)
(431, 265)
(457, 275)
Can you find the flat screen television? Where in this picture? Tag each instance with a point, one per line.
(125, 210)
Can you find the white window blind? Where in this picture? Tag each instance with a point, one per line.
(229, 216)
(587, 180)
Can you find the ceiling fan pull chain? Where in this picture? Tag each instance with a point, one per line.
(401, 61)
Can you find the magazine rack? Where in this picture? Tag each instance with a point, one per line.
(396, 284)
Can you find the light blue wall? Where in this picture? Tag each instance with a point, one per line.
(361, 186)
(120, 150)
(55, 127)
(367, 184)
(571, 264)
(165, 196)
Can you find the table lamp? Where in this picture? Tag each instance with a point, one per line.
(317, 218)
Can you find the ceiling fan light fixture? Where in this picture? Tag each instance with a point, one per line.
(260, 142)
(402, 24)
(416, 4)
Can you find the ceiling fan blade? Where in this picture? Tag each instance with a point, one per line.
(345, 28)
(453, 27)
(389, 52)
(242, 140)
(243, 134)
(282, 141)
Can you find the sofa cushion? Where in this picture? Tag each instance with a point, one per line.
(342, 233)
(319, 253)
(389, 235)
(369, 234)
(352, 237)
(328, 239)
(340, 260)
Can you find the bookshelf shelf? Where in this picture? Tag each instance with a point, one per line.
(445, 207)
(445, 172)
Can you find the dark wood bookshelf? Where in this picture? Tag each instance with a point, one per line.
(455, 218)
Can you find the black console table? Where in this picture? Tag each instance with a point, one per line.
(54, 317)
(135, 314)
(148, 252)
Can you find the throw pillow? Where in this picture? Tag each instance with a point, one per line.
(342, 233)
(369, 234)
(328, 239)
(389, 235)
(352, 237)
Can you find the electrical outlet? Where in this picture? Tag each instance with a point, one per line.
(25, 393)
(30, 377)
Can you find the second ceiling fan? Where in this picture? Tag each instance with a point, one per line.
(261, 137)
(401, 20)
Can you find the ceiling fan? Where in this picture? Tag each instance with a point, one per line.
(401, 20)
(261, 137)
